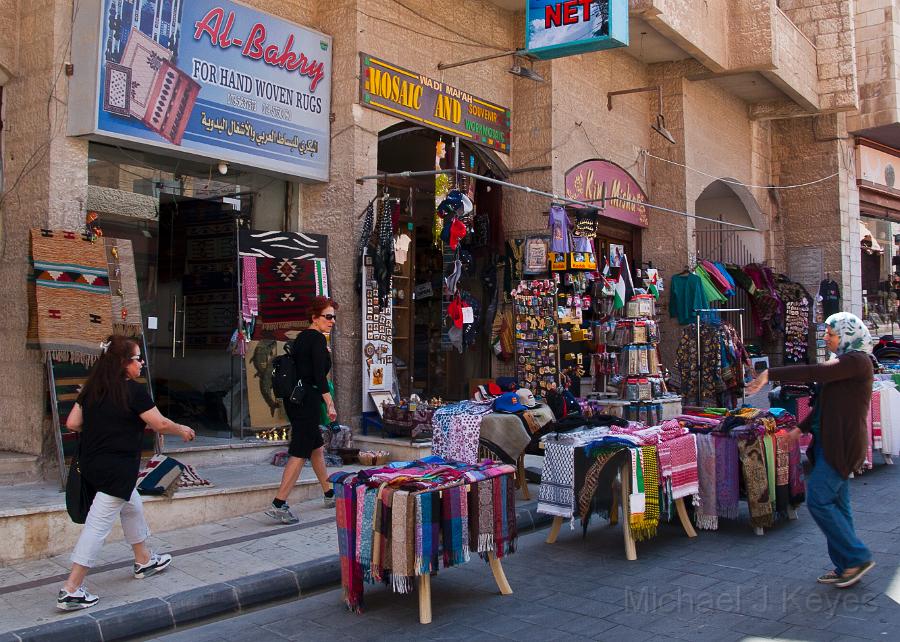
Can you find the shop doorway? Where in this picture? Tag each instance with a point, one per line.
(425, 361)
(186, 261)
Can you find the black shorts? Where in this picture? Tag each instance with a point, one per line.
(305, 433)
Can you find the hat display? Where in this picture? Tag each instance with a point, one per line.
(508, 402)
(507, 384)
(526, 397)
(494, 389)
(458, 232)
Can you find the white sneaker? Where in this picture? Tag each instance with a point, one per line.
(79, 599)
(158, 562)
(284, 514)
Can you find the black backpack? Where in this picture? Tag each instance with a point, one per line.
(284, 373)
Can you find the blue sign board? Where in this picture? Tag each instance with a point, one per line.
(214, 79)
(564, 28)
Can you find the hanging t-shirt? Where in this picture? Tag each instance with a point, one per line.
(559, 230)
(831, 297)
(111, 441)
(401, 248)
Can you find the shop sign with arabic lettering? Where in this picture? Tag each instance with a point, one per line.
(214, 79)
(596, 180)
(419, 99)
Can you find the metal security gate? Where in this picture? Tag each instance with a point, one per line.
(717, 243)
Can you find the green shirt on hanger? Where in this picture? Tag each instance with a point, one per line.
(709, 288)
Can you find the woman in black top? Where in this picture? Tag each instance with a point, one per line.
(313, 362)
(110, 413)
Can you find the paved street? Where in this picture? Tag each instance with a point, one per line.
(729, 585)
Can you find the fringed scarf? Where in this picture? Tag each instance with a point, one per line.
(586, 504)
(381, 546)
(769, 445)
(705, 501)
(365, 531)
(454, 526)
(556, 495)
(782, 472)
(728, 476)
(351, 574)
(644, 524)
(428, 542)
(795, 476)
(505, 530)
(402, 530)
(481, 517)
(683, 453)
(753, 465)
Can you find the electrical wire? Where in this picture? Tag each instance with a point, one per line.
(735, 182)
(428, 35)
(444, 26)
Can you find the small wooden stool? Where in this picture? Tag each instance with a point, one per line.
(424, 582)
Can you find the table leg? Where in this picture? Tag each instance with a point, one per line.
(625, 473)
(683, 516)
(554, 530)
(520, 477)
(425, 599)
(499, 575)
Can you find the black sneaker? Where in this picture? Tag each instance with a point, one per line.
(158, 562)
(79, 599)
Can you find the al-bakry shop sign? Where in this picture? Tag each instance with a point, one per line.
(604, 181)
(217, 80)
(557, 28)
(405, 94)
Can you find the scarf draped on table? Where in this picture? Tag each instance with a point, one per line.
(586, 503)
(782, 472)
(454, 525)
(705, 515)
(403, 541)
(683, 452)
(769, 446)
(643, 523)
(556, 495)
(797, 486)
(382, 528)
(481, 503)
(351, 572)
(756, 482)
(728, 474)
(428, 525)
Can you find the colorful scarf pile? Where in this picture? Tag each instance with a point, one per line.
(753, 464)
(728, 489)
(645, 522)
(705, 516)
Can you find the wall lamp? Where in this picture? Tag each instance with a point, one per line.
(660, 125)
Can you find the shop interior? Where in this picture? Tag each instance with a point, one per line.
(425, 362)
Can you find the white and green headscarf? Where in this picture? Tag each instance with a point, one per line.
(853, 332)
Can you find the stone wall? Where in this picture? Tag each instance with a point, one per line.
(877, 65)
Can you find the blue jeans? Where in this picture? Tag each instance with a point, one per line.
(828, 501)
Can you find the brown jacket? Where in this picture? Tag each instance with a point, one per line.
(845, 397)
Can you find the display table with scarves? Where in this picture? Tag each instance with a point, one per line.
(400, 523)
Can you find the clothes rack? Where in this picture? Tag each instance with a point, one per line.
(740, 332)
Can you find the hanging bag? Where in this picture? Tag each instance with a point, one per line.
(79, 493)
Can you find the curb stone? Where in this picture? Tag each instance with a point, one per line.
(158, 614)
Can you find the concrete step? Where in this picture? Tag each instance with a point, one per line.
(35, 524)
(400, 447)
(18, 468)
(229, 453)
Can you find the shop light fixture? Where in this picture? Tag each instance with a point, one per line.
(660, 125)
(525, 72)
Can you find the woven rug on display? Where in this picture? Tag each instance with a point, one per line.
(72, 299)
(123, 287)
(190, 479)
(209, 283)
(285, 288)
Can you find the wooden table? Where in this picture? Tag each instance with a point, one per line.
(625, 488)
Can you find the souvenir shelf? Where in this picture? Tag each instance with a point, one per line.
(576, 326)
(403, 309)
(537, 350)
(643, 395)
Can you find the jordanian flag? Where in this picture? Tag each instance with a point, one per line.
(624, 288)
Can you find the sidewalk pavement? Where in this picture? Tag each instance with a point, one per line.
(219, 568)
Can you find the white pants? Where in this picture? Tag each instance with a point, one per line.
(100, 521)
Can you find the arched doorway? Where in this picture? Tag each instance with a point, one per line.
(427, 361)
(729, 202)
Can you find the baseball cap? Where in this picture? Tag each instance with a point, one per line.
(507, 402)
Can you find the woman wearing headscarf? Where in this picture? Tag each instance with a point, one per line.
(839, 428)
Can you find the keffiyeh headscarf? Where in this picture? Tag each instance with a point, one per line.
(854, 334)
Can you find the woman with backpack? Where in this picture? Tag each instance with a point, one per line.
(312, 360)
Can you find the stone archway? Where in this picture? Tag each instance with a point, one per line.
(729, 202)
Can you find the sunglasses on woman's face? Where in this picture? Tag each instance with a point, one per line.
(330, 317)
(137, 358)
